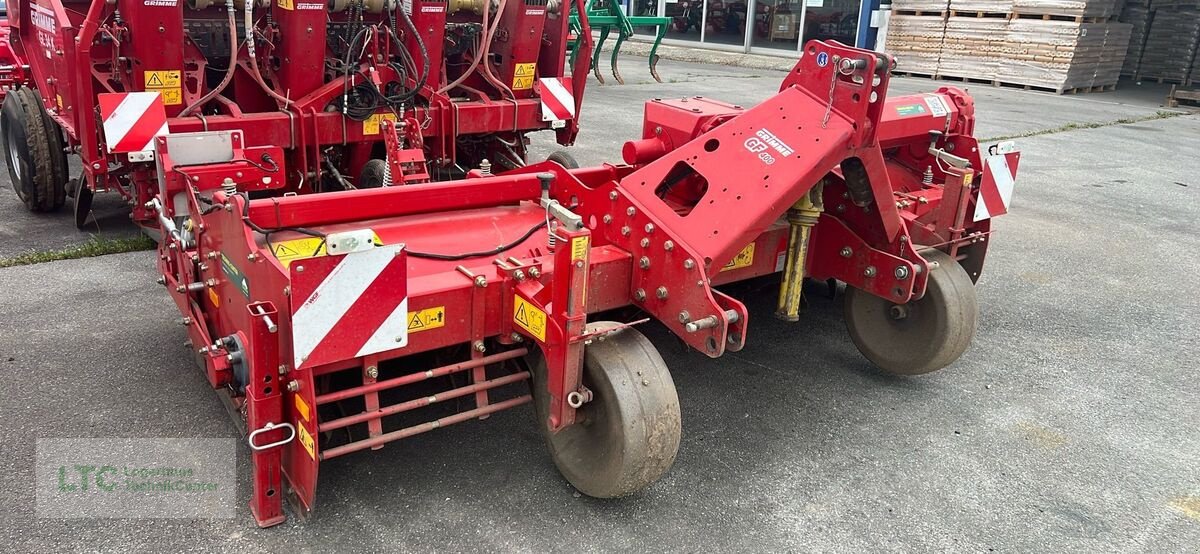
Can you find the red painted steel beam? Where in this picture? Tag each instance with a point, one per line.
(424, 427)
(424, 401)
(418, 377)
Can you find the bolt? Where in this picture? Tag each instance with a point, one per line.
(649, 228)
(607, 218)
(684, 316)
(669, 246)
(661, 293)
(645, 243)
(639, 295)
(630, 211)
(283, 369)
(898, 312)
(251, 256)
(372, 371)
(293, 386)
(689, 263)
(519, 275)
(535, 272)
(299, 269)
(161, 280)
(516, 337)
(658, 130)
(644, 262)
(210, 283)
(204, 350)
(840, 208)
(846, 252)
(203, 267)
(901, 272)
(96, 166)
(625, 230)
(480, 281)
(478, 345)
(869, 271)
(185, 321)
(612, 195)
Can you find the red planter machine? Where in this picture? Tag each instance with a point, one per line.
(348, 218)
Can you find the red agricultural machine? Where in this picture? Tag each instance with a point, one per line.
(348, 218)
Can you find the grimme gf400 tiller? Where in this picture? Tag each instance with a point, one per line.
(315, 311)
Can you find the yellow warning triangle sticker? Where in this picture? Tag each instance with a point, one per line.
(520, 316)
(415, 322)
(284, 250)
(154, 81)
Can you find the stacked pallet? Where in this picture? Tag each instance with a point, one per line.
(915, 33)
(1055, 45)
(1137, 14)
(1172, 44)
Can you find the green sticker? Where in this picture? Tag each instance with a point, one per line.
(910, 109)
(235, 275)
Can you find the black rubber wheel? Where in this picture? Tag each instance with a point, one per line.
(924, 335)
(561, 157)
(374, 174)
(33, 148)
(628, 435)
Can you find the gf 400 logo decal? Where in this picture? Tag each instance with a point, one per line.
(764, 140)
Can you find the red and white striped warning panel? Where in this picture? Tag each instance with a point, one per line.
(132, 120)
(996, 185)
(348, 306)
(558, 103)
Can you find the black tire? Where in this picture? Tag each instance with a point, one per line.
(374, 174)
(561, 157)
(627, 436)
(33, 148)
(924, 335)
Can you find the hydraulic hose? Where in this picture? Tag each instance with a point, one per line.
(233, 50)
(255, 72)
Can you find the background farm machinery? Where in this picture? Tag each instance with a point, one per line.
(348, 219)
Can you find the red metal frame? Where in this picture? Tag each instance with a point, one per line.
(80, 49)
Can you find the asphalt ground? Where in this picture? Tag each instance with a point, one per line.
(1069, 425)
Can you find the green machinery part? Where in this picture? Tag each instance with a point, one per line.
(607, 15)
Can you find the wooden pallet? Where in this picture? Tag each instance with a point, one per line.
(1059, 17)
(1184, 97)
(923, 13)
(1006, 84)
(980, 14)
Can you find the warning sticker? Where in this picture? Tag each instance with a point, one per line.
(371, 124)
(579, 248)
(306, 440)
(523, 76)
(302, 407)
(429, 318)
(968, 178)
(288, 250)
(286, 4)
(529, 318)
(745, 258)
(166, 84)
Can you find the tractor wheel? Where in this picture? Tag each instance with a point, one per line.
(374, 174)
(561, 157)
(627, 436)
(921, 336)
(33, 148)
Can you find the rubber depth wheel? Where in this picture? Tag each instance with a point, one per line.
(924, 335)
(561, 157)
(33, 148)
(628, 435)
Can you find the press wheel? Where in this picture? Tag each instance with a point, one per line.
(627, 436)
(921, 336)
